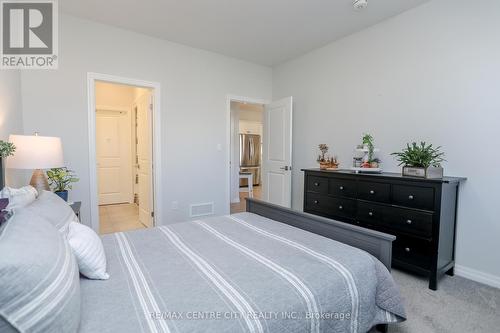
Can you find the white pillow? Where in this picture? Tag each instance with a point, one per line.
(19, 197)
(88, 250)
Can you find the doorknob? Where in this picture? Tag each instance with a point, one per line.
(285, 168)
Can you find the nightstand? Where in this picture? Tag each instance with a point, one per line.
(76, 208)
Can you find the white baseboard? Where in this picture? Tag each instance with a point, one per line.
(478, 276)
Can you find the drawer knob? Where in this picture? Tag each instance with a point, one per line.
(341, 207)
(370, 213)
(316, 202)
(410, 197)
(341, 188)
(316, 184)
(372, 192)
(409, 221)
(407, 249)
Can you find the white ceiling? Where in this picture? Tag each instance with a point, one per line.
(266, 32)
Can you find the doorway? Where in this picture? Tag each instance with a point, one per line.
(260, 151)
(124, 138)
(246, 148)
(124, 153)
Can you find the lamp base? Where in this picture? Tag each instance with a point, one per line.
(39, 181)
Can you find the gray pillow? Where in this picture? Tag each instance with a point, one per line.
(54, 209)
(40, 286)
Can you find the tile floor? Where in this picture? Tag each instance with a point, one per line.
(120, 217)
(241, 206)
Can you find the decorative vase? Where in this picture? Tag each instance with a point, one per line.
(62, 194)
(429, 172)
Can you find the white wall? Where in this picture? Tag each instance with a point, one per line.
(11, 119)
(194, 86)
(431, 74)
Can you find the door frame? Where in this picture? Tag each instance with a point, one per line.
(156, 172)
(234, 98)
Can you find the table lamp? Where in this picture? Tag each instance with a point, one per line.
(38, 153)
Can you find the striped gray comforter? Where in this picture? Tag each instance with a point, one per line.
(239, 273)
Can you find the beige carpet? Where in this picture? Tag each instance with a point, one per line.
(460, 305)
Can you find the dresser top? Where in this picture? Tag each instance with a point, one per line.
(388, 175)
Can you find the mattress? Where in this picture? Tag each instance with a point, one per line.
(238, 273)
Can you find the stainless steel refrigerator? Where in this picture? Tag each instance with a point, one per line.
(250, 157)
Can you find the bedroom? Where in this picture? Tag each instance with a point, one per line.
(402, 71)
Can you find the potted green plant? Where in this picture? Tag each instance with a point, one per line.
(421, 160)
(6, 149)
(368, 144)
(60, 180)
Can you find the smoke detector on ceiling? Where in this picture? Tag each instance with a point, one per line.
(360, 4)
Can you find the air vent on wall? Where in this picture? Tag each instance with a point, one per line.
(202, 209)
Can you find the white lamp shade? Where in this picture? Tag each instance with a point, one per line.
(35, 152)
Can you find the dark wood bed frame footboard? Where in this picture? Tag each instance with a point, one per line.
(376, 243)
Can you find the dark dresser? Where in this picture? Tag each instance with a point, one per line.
(421, 213)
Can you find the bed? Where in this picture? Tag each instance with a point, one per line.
(269, 269)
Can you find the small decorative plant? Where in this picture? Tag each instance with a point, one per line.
(61, 180)
(324, 160)
(368, 143)
(6, 149)
(323, 148)
(420, 156)
(421, 160)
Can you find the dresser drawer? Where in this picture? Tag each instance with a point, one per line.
(317, 184)
(413, 196)
(331, 206)
(342, 187)
(374, 191)
(344, 207)
(412, 251)
(409, 221)
(370, 214)
(318, 203)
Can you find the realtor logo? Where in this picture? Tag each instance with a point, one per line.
(29, 34)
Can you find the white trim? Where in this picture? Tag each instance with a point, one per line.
(478, 276)
(157, 169)
(235, 98)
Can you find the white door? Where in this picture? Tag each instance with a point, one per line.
(144, 158)
(114, 165)
(277, 153)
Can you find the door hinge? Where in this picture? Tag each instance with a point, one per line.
(153, 214)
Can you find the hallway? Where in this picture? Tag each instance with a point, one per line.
(120, 217)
